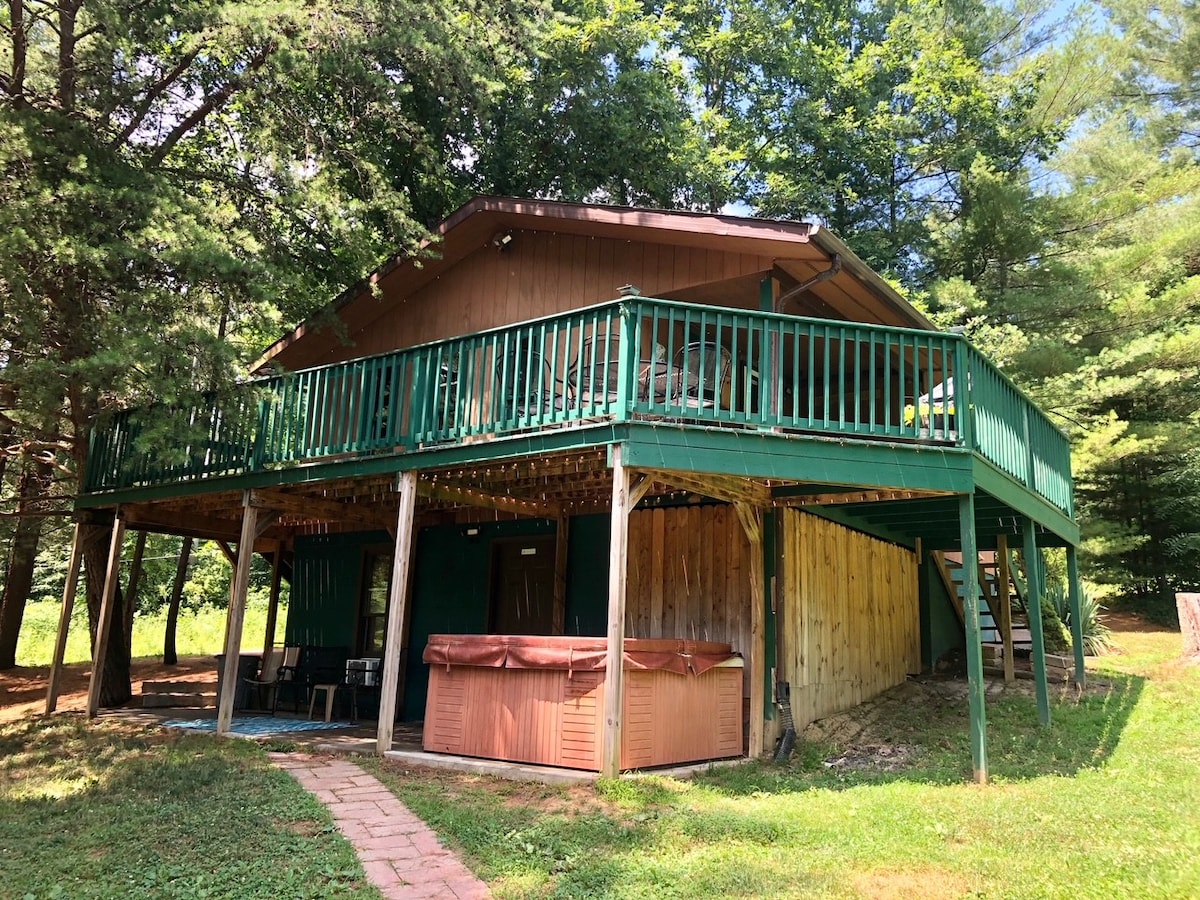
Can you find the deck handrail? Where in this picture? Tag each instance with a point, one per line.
(632, 358)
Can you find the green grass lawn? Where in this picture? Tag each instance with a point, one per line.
(110, 810)
(199, 632)
(1105, 803)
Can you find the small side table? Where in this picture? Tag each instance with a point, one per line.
(330, 689)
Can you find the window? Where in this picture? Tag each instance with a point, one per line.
(372, 625)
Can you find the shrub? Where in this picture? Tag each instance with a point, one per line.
(1097, 638)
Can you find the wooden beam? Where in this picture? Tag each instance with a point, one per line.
(562, 537)
(856, 497)
(640, 486)
(237, 615)
(751, 519)
(266, 518)
(1004, 601)
(1035, 589)
(194, 523)
(719, 487)
(975, 687)
(322, 508)
(104, 625)
(939, 560)
(397, 608)
(474, 497)
(614, 670)
(1074, 597)
(229, 552)
(64, 619)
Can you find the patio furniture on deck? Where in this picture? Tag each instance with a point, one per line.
(317, 665)
(277, 665)
(933, 409)
(330, 688)
(524, 383)
(703, 371)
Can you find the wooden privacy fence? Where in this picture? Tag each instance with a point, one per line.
(637, 358)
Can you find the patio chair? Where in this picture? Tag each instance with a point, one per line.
(278, 665)
(317, 665)
(524, 385)
(594, 372)
(703, 369)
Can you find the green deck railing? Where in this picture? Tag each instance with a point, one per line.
(634, 358)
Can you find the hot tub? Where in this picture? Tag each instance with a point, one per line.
(540, 699)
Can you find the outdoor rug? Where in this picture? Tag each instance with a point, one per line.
(258, 726)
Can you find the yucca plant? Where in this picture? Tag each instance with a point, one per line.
(1097, 637)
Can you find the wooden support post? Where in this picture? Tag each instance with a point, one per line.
(614, 664)
(751, 519)
(1074, 597)
(397, 607)
(237, 614)
(64, 619)
(975, 692)
(111, 575)
(1004, 601)
(562, 537)
(1033, 601)
(273, 602)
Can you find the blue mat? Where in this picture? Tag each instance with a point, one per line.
(259, 726)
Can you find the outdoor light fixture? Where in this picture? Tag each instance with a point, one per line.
(502, 240)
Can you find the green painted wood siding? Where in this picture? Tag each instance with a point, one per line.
(327, 569)
(451, 587)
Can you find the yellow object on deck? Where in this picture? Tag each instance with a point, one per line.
(937, 410)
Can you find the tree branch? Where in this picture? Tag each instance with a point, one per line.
(67, 10)
(212, 103)
(15, 86)
(155, 91)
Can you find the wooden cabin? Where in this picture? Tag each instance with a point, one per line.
(572, 449)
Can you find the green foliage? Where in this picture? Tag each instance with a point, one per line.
(1097, 637)
(110, 810)
(176, 186)
(1054, 628)
(201, 632)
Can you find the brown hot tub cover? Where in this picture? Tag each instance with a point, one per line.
(575, 654)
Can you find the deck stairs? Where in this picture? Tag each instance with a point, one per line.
(950, 568)
(182, 694)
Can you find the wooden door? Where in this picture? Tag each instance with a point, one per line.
(522, 593)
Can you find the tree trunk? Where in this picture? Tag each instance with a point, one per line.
(116, 687)
(21, 558)
(1189, 623)
(135, 577)
(170, 658)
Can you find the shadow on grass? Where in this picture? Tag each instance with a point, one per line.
(91, 810)
(1083, 732)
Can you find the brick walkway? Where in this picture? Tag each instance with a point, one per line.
(400, 854)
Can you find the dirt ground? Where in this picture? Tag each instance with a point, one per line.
(1126, 621)
(23, 689)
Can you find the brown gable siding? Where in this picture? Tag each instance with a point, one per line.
(541, 273)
